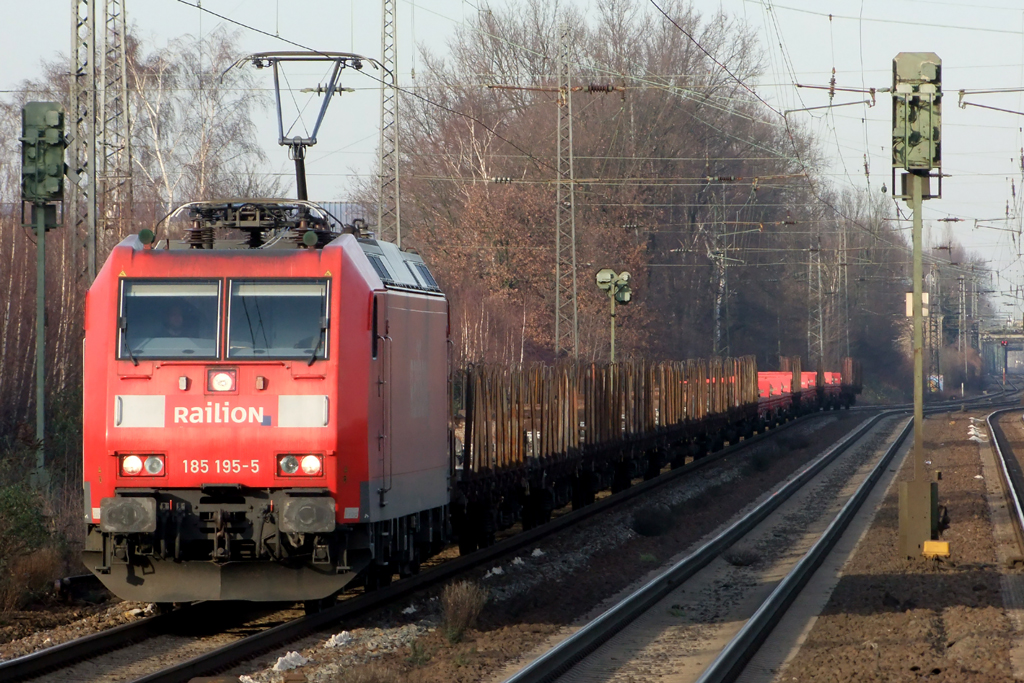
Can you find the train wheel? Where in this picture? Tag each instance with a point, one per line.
(653, 466)
(621, 480)
(164, 607)
(698, 449)
(317, 606)
(378, 576)
(468, 545)
(577, 492)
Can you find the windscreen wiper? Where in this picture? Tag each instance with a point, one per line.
(123, 324)
(319, 339)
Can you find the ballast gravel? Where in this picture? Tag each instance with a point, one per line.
(894, 619)
(535, 592)
(83, 621)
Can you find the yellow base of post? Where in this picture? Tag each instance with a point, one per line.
(935, 549)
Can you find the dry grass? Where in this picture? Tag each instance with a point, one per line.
(30, 576)
(461, 604)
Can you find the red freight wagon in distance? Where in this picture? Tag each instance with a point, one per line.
(265, 416)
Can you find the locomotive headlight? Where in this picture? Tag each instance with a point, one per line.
(131, 465)
(289, 464)
(220, 380)
(311, 464)
(142, 465)
(154, 465)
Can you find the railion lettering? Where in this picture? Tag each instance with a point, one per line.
(220, 413)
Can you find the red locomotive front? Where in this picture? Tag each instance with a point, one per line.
(265, 418)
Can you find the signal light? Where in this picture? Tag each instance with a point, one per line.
(142, 465)
(42, 152)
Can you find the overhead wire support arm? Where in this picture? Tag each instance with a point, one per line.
(593, 87)
(566, 309)
(297, 145)
(832, 90)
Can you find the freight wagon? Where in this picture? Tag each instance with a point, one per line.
(267, 413)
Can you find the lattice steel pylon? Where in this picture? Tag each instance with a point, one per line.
(815, 314)
(566, 311)
(844, 282)
(100, 152)
(389, 224)
(113, 140)
(81, 153)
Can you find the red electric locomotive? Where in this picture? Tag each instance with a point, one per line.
(266, 416)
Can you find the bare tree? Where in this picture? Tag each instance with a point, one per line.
(193, 132)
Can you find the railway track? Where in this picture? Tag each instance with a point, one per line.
(266, 639)
(578, 657)
(67, 654)
(1012, 474)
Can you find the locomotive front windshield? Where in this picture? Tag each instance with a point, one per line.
(168, 320)
(277, 320)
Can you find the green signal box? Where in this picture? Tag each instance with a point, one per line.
(42, 152)
(917, 113)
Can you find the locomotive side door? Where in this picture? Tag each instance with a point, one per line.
(383, 352)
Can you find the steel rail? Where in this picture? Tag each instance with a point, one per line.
(72, 587)
(94, 644)
(229, 655)
(1010, 482)
(942, 405)
(562, 657)
(730, 662)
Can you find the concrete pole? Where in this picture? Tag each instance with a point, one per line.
(917, 193)
(39, 476)
(611, 297)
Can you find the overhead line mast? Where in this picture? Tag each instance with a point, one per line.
(100, 152)
(566, 309)
(389, 224)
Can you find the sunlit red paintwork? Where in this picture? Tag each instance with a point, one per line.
(384, 447)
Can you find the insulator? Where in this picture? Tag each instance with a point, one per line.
(200, 235)
(255, 238)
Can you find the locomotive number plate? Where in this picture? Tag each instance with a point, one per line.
(220, 466)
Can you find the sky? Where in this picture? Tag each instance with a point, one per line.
(981, 45)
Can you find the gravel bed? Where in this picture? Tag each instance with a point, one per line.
(675, 638)
(894, 619)
(84, 621)
(537, 591)
(407, 637)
